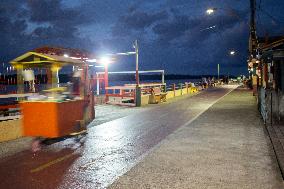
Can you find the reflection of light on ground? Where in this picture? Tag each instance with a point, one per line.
(104, 157)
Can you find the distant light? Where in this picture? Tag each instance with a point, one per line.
(129, 53)
(105, 60)
(91, 65)
(126, 53)
(232, 52)
(210, 11)
(66, 55)
(80, 69)
(91, 60)
(72, 57)
(121, 53)
(99, 66)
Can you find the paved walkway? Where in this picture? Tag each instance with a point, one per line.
(108, 150)
(225, 147)
(276, 132)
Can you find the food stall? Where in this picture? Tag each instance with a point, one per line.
(55, 111)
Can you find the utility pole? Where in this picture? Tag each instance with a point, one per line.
(218, 67)
(137, 55)
(253, 37)
(253, 63)
(138, 88)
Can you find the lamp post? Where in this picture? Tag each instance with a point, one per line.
(105, 61)
(232, 52)
(218, 68)
(137, 65)
(135, 46)
(230, 12)
(210, 10)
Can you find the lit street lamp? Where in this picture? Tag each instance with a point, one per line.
(210, 11)
(229, 11)
(109, 58)
(104, 60)
(232, 53)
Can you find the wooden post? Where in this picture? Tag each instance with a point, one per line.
(85, 84)
(186, 84)
(92, 104)
(20, 83)
(174, 89)
(48, 77)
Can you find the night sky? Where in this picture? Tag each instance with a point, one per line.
(173, 34)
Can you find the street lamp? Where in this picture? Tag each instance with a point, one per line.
(105, 60)
(210, 11)
(231, 12)
(232, 53)
(136, 53)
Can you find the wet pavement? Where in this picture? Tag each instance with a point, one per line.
(106, 112)
(226, 147)
(108, 150)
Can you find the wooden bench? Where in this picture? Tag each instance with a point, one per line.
(157, 96)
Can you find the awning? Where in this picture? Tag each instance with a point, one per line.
(34, 59)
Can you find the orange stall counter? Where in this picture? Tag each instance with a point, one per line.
(50, 119)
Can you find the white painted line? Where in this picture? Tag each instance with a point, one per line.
(195, 117)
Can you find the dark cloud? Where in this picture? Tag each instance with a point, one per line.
(173, 29)
(185, 29)
(56, 23)
(48, 11)
(138, 21)
(12, 28)
(52, 11)
(28, 25)
(54, 32)
(172, 35)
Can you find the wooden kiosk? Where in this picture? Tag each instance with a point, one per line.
(50, 117)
